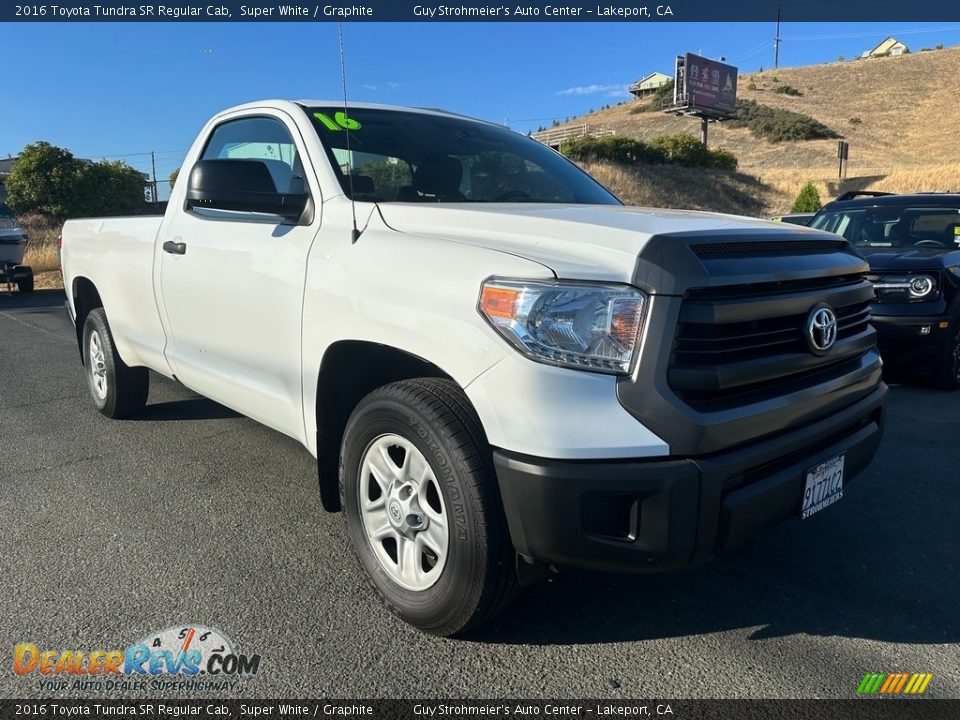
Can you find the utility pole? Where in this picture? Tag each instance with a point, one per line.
(153, 164)
(777, 39)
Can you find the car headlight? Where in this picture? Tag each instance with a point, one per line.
(587, 326)
(905, 288)
(921, 286)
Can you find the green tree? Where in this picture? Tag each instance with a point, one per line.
(173, 178)
(43, 180)
(808, 200)
(51, 180)
(107, 188)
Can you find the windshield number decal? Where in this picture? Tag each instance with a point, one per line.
(339, 122)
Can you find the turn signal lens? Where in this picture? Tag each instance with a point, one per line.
(499, 302)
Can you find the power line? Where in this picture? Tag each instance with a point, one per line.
(137, 154)
(843, 36)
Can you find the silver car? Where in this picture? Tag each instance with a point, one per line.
(13, 240)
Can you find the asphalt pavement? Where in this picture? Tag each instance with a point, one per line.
(192, 514)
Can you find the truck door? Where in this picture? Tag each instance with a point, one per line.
(231, 283)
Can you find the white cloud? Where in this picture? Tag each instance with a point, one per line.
(385, 86)
(596, 89)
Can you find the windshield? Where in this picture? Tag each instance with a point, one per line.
(7, 221)
(927, 227)
(399, 156)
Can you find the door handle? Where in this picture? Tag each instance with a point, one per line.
(175, 248)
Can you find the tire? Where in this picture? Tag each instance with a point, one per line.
(25, 285)
(947, 375)
(442, 484)
(118, 391)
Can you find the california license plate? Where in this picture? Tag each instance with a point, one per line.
(824, 486)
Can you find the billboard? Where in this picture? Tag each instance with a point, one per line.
(706, 85)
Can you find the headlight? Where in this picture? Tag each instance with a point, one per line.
(905, 288)
(587, 326)
(921, 286)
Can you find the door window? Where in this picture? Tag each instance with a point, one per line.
(260, 138)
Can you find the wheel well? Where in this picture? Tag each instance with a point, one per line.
(351, 369)
(85, 299)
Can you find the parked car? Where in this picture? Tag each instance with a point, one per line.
(794, 218)
(13, 243)
(912, 243)
(500, 368)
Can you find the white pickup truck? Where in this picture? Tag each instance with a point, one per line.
(501, 370)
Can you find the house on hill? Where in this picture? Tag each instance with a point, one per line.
(890, 46)
(647, 86)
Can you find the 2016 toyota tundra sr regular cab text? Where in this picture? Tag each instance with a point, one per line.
(500, 368)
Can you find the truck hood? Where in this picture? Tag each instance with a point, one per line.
(910, 259)
(587, 242)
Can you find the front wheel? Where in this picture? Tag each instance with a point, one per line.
(118, 390)
(948, 373)
(423, 508)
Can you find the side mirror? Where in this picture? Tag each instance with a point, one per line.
(242, 186)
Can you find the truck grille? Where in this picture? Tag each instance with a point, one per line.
(739, 343)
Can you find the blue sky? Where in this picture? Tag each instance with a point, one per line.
(122, 90)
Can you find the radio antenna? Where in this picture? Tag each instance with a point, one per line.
(355, 235)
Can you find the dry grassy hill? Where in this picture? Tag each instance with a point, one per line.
(898, 114)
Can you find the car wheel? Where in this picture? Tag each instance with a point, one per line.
(948, 374)
(118, 391)
(423, 508)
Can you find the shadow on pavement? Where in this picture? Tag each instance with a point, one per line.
(35, 299)
(197, 408)
(882, 564)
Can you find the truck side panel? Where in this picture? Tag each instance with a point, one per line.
(116, 255)
(396, 290)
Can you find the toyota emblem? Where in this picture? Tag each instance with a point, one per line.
(821, 329)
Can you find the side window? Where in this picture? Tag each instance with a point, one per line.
(260, 138)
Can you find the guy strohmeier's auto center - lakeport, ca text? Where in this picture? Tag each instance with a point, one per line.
(427, 12)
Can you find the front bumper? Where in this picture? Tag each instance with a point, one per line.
(637, 515)
(912, 339)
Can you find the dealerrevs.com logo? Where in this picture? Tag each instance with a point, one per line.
(185, 657)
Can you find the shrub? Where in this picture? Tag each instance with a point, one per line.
(688, 151)
(808, 200)
(751, 85)
(615, 148)
(778, 125)
(855, 121)
(683, 150)
(788, 90)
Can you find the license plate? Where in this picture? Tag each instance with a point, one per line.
(824, 486)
